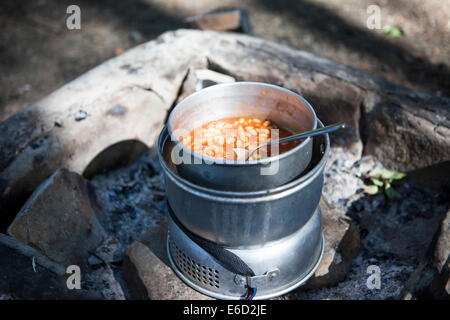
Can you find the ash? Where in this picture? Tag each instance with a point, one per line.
(133, 199)
(394, 275)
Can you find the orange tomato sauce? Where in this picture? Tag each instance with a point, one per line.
(217, 138)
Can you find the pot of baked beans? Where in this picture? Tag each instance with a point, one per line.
(208, 125)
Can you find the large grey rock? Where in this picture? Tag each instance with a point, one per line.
(407, 135)
(60, 221)
(27, 274)
(148, 273)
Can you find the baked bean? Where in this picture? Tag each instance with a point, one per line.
(218, 138)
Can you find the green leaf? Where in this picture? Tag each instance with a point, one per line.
(377, 182)
(393, 32)
(392, 194)
(399, 175)
(372, 189)
(375, 173)
(388, 174)
(392, 175)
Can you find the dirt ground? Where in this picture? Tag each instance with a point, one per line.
(38, 53)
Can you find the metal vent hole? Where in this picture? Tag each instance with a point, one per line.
(200, 273)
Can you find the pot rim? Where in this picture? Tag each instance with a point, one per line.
(241, 196)
(217, 161)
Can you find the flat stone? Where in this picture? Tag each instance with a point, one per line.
(225, 20)
(341, 248)
(59, 219)
(148, 273)
(27, 274)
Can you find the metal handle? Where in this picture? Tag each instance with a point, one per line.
(310, 133)
(326, 129)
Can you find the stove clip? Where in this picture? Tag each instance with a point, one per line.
(257, 281)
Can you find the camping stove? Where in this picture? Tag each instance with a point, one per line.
(235, 245)
(279, 267)
(235, 232)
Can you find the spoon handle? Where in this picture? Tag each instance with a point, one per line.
(326, 129)
(310, 133)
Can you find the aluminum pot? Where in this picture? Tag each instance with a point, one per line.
(284, 107)
(251, 218)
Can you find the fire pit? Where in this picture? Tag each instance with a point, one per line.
(235, 244)
(46, 149)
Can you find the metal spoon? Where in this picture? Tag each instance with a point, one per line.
(243, 154)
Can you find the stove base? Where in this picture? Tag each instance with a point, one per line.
(280, 266)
